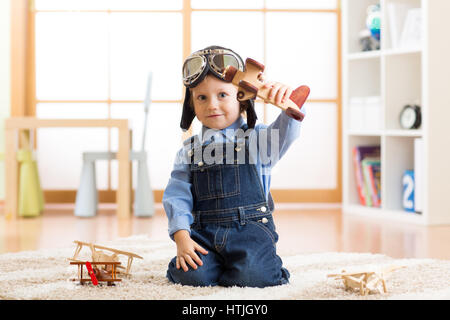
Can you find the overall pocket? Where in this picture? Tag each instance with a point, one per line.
(215, 180)
(267, 225)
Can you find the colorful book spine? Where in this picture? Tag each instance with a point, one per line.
(371, 169)
(373, 189)
(376, 170)
(358, 175)
(367, 185)
(359, 154)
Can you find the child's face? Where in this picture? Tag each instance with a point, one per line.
(215, 103)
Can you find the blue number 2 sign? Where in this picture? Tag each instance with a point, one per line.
(408, 190)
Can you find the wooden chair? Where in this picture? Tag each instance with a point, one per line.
(87, 197)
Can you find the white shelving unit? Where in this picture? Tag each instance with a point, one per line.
(420, 74)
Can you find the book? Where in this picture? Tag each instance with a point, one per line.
(418, 174)
(359, 153)
(372, 174)
(411, 34)
(397, 14)
(366, 184)
(376, 172)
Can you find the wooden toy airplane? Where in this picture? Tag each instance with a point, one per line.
(365, 281)
(97, 274)
(101, 257)
(251, 82)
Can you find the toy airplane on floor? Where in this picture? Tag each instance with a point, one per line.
(97, 274)
(101, 257)
(365, 281)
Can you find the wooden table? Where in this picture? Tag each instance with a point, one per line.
(15, 124)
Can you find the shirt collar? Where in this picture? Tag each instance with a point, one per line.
(228, 132)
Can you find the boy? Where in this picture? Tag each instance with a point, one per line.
(220, 211)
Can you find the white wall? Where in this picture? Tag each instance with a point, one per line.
(5, 99)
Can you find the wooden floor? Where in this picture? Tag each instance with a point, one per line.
(301, 230)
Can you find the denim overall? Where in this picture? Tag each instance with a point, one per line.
(233, 222)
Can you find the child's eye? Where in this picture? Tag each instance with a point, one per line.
(201, 97)
(222, 94)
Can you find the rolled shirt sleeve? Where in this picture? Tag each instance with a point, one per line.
(275, 139)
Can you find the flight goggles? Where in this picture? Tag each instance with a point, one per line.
(200, 62)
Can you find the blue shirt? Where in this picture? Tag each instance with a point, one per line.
(178, 198)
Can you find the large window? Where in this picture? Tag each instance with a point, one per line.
(92, 58)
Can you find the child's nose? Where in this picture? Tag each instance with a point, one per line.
(213, 104)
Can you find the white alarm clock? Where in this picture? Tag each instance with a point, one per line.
(410, 117)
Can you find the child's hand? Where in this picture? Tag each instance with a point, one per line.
(186, 248)
(278, 91)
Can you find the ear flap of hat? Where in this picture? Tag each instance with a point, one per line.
(188, 114)
(251, 113)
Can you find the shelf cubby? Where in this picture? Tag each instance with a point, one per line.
(403, 85)
(353, 141)
(356, 22)
(364, 77)
(398, 157)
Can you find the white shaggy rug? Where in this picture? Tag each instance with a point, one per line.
(46, 275)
